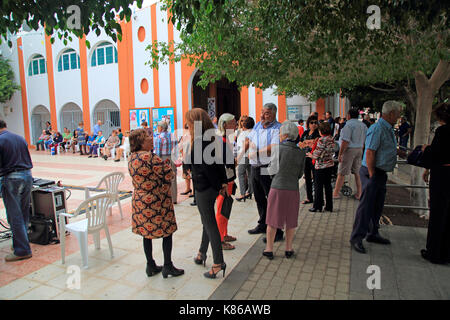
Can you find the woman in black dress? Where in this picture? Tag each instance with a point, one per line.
(438, 156)
(307, 141)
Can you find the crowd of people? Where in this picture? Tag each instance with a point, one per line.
(93, 144)
(267, 158)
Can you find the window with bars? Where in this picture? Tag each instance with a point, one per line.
(37, 66)
(105, 53)
(69, 60)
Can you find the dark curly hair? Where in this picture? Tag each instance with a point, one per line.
(442, 112)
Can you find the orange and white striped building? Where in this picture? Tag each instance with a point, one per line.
(66, 84)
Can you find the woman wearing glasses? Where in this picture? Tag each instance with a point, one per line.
(307, 142)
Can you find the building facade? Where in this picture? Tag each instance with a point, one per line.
(68, 84)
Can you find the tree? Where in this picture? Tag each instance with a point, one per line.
(315, 48)
(66, 17)
(7, 83)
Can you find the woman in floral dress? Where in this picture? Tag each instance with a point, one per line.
(153, 214)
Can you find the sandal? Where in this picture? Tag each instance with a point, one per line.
(185, 193)
(227, 246)
(306, 201)
(228, 238)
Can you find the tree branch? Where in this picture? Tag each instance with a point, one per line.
(440, 75)
(384, 90)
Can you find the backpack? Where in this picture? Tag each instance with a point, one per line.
(42, 230)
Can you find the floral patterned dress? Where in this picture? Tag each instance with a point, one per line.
(153, 214)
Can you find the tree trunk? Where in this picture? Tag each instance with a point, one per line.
(426, 90)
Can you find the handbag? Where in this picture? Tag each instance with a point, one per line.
(42, 230)
(417, 158)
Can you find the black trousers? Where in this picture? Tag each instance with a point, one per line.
(261, 187)
(309, 175)
(322, 179)
(167, 250)
(438, 237)
(205, 203)
(367, 218)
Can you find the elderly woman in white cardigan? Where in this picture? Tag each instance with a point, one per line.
(284, 197)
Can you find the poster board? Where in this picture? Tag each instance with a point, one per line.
(166, 114)
(211, 107)
(137, 116)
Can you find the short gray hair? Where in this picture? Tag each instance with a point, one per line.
(290, 129)
(163, 125)
(390, 106)
(271, 106)
(222, 120)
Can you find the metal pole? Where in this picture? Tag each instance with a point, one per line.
(405, 207)
(406, 186)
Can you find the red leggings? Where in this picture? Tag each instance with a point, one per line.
(222, 222)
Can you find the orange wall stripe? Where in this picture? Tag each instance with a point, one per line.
(320, 107)
(23, 91)
(124, 83)
(130, 64)
(186, 72)
(155, 71)
(244, 101)
(84, 84)
(258, 104)
(281, 108)
(173, 92)
(51, 82)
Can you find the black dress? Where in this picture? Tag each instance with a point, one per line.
(309, 167)
(438, 156)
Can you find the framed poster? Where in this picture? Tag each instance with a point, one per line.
(212, 107)
(137, 116)
(165, 114)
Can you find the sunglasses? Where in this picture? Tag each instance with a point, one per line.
(313, 122)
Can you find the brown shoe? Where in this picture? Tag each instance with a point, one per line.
(227, 246)
(12, 257)
(228, 238)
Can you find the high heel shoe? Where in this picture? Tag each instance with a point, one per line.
(185, 193)
(241, 199)
(152, 269)
(314, 210)
(268, 254)
(289, 254)
(249, 196)
(172, 271)
(202, 259)
(212, 275)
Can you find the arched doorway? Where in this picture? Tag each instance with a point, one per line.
(70, 116)
(109, 114)
(226, 94)
(39, 117)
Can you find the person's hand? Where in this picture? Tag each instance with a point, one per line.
(309, 155)
(340, 158)
(424, 147)
(426, 175)
(223, 191)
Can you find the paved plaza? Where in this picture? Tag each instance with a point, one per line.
(324, 266)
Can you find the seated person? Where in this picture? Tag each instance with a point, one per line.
(74, 141)
(50, 140)
(42, 139)
(99, 142)
(125, 147)
(57, 140)
(89, 141)
(82, 143)
(67, 137)
(112, 142)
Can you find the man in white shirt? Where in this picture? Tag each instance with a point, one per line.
(352, 139)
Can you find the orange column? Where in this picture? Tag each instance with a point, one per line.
(155, 71)
(320, 107)
(258, 104)
(126, 74)
(173, 89)
(186, 72)
(51, 82)
(282, 108)
(23, 91)
(244, 101)
(84, 84)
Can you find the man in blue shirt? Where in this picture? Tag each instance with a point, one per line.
(380, 157)
(259, 144)
(15, 173)
(97, 128)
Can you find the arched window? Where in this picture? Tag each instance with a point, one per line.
(69, 60)
(37, 66)
(105, 53)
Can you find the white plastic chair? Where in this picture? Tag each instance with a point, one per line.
(111, 182)
(95, 221)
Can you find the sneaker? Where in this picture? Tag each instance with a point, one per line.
(12, 257)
